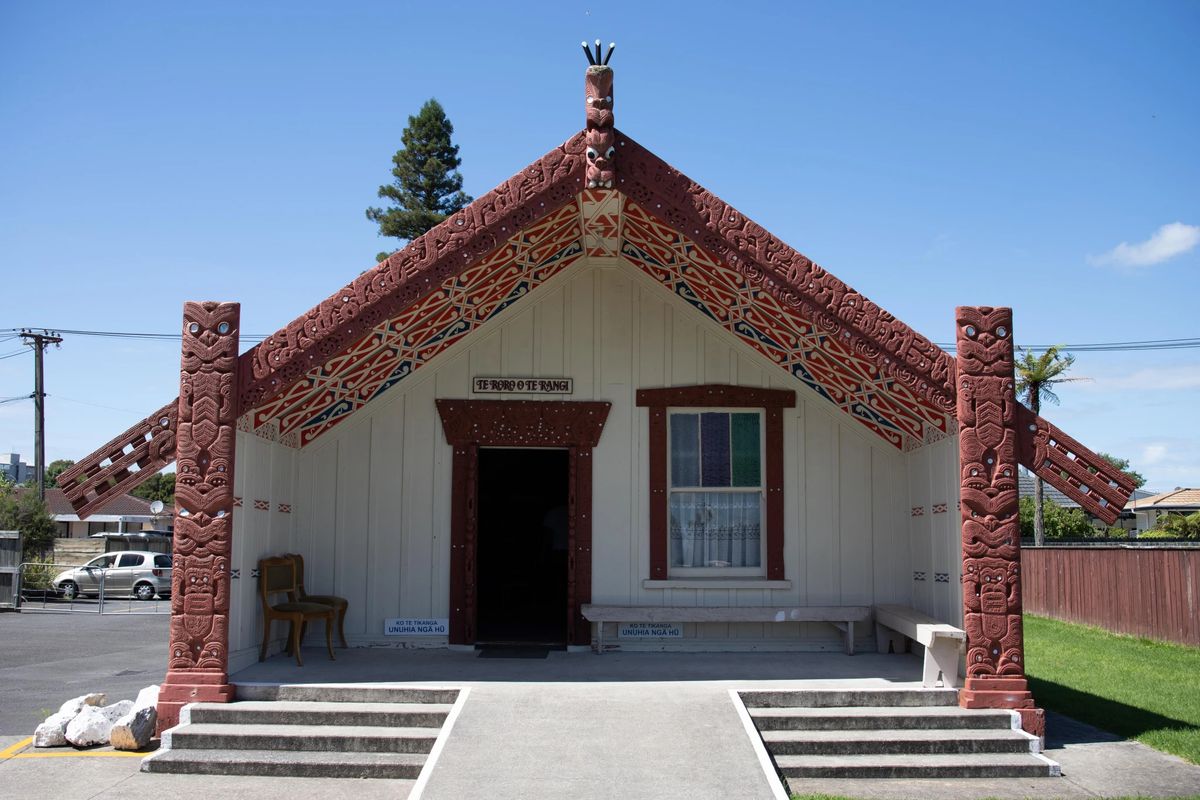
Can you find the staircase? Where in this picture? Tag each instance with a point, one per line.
(892, 733)
(308, 731)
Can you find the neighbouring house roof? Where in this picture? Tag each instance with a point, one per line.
(124, 505)
(1025, 483)
(1175, 500)
(1025, 486)
(396, 317)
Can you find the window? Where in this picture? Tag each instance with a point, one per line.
(715, 501)
(162, 561)
(130, 560)
(716, 481)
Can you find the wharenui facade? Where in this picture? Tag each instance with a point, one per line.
(597, 384)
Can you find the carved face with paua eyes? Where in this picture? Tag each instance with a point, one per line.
(601, 138)
(984, 340)
(598, 83)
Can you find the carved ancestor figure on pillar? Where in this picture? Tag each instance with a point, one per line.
(600, 137)
(198, 658)
(991, 529)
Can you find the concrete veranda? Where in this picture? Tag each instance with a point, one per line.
(622, 725)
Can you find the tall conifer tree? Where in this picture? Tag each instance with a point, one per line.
(427, 186)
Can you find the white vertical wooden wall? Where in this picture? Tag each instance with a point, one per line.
(935, 539)
(371, 499)
(266, 473)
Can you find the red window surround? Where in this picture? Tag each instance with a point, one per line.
(712, 395)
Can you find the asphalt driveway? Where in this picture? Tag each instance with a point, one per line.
(47, 658)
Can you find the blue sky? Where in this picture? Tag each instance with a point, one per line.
(1036, 155)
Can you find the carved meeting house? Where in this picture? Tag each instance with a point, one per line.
(597, 383)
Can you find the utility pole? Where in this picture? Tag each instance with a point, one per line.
(39, 341)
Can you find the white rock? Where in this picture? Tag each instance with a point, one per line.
(52, 732)
(134, 730)
(76, 705)
(93, 724)
(147, 697)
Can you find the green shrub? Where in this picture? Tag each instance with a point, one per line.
(1060, 523)
(1176, 526)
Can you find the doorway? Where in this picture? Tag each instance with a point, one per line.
(523, 538)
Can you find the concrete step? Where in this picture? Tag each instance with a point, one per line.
(340, 739)
(283, 712)
(280, 764)
(838, 698)
(971, 765)
(880, 718)
(335, 693)
(897, 742)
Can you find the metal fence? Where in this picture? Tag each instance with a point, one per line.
(37, 591)
(10, 560)
(1143, 591)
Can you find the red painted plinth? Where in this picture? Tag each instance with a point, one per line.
(184, 686)
(1010, 693)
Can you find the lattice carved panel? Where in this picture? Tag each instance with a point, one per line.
(123, 462)
(1068, 466)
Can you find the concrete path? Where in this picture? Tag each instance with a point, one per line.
(597, 741)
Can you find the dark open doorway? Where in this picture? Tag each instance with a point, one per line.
(522, 546)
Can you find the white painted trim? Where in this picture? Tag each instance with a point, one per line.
(439, 744)
(778, 791)
(715, 583)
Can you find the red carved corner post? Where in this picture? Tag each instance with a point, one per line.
(991, 528)
(199, 657)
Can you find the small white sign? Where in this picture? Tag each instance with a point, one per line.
(416, 627)
(523, 385)
(649, 630)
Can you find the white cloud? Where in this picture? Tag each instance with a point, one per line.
(1172, 239)
(1153, 454)
(1167, 378)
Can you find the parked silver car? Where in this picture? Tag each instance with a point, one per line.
(140, 573)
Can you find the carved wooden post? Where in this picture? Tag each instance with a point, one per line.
(991, 528)
(199, 658)
(601, 138)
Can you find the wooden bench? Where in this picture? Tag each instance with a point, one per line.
(942, 642)
(841, 617)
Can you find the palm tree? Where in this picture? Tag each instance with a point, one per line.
(1036, 377)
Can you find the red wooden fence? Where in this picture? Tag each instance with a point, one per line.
(1151, 592)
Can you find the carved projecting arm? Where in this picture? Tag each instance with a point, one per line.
(127, 461)
(1098, 487)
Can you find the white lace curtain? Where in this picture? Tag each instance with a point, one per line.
(716, 529)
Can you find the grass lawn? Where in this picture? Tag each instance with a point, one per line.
(1137, 688)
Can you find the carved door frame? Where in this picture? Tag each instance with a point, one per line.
(470, 424)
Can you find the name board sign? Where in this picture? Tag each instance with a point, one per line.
(649, 630)
(523, 385)
(416, 627)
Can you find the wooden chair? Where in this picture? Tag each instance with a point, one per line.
(340, 604)
(278, 576)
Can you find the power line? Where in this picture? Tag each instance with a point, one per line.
(1188, 343)
(93, 405)
(140, 335)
